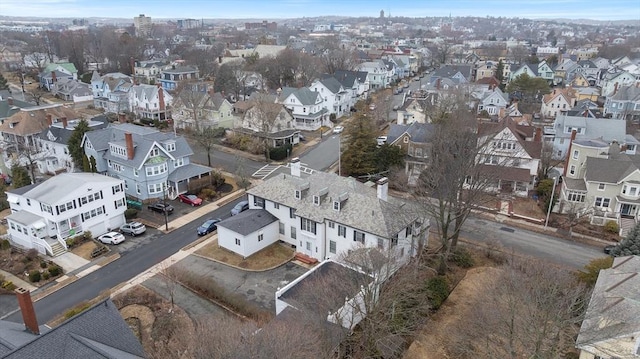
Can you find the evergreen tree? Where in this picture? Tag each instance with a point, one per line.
(387, 156)
(75, 149)
(530, 88)
(93, 165)
(359, 144)
(500, 74)
(20, 176)
(3, 83)
(86, 166)
(630, 245)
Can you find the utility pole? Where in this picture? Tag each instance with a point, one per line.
(166, 215)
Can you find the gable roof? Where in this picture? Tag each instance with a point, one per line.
(611, 170)
(7, 110)
(58, 134)
(568, 93)
(360, 75)
(449, 71)
(614, 308)
(98, 332)
(418, 132)
(607, 129)
(32, 120)
(143, 139)
(303, 94)
(362, 210)
(521, 133)
(626, 93)
(332, 84)
(69, 66)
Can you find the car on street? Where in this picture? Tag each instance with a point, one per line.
(372, 106)
(133, 228)
(338, 129)
(161, 207)
(381, 140)
(111, 238)
(191, 199)
(406, 85)
(609, 248)
(208, 226)
(240, 207)
(301, 137)
(395, 107)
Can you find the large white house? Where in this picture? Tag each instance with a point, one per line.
(306, 106)
(44, 215)
(324, 215)
(336, 98)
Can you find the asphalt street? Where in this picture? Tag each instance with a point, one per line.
(521, 241)
(128, 266)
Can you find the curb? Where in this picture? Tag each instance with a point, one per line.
(72, 278)
(243, 269)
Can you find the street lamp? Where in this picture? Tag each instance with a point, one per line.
(553, 191)
(339, 156)
(164, 207)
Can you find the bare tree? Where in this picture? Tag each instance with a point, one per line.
(264, 117)
(191, 98)
(456, 180)
(335, 56)
(519, 54)
(207, 138)
(383, 103)
(533, 312)
(547, 160)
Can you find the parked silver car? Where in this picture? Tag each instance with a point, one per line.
(133, 228)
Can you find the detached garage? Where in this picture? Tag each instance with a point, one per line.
(248, 232)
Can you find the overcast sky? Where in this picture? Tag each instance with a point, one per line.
(277, 9)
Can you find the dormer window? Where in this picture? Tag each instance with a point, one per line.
(316, 200)
(171, 146)
(155, 152)
(297, 194)
(336, 205)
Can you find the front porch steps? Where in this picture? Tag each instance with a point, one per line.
(57, 249)
(625, 225)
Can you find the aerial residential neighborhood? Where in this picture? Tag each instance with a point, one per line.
(348, 180)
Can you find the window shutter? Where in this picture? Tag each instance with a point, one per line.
(115, 204)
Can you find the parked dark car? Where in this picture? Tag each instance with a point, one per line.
(609, 248)
(161, 207)
(240, 207)
(208, 226)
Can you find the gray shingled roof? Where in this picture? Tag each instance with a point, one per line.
(360, 75)
(611, 170)
(419, 132)
(332, 84)
(61, 135)
(362, 210)
(143, 139)
(607, 129)
(58, 187)
(14, 335)
(248, 221)
(7, 111)
(303, 94)
(188, 171)
(614, 308)
(627, 93)
(98, 332)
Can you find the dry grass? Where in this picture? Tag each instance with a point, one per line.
(84, 250)
(270, 257)
(232, 181)
(527, 207)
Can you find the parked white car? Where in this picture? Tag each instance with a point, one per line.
(338, 129)
(111, 238)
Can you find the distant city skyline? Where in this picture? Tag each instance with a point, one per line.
(285, 9)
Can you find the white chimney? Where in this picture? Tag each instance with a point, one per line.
(383, 188)
(295, 167)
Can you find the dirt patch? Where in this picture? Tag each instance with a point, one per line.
(272, 256)
(528, 207)
(160, 327)
(430, 342)
(85, 249)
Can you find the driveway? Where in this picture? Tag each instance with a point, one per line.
(257, 287)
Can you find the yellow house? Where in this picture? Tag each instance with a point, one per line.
(587, 93)
(579, 81)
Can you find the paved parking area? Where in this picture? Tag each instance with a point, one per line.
(131, 242)
(257, 287)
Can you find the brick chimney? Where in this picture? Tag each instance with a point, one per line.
(64, 122)
(49, 119)
(161, 98)
(566, 162)
(128, 137)
(122, 117)
(383, 188)
(28, 313)
(54, 78)
(10, 101)
(132, 63)
(538, 136)
(438, 84)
